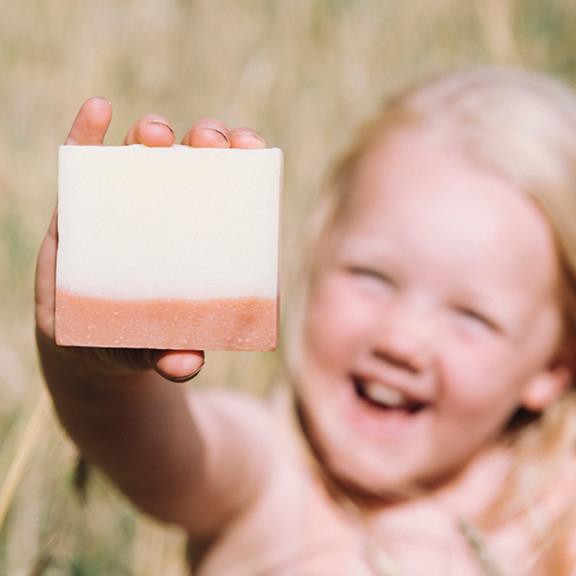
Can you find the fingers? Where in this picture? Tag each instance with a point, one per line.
(207, 133)
(91, 123)
(179, 365)
(210, 133)
(93, 119)
(174, 365)
(152, 130)
(246, 138)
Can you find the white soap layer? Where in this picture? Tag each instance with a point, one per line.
(137, 222)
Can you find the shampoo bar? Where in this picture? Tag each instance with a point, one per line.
(171, 248)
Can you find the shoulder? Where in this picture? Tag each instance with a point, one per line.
(239, 440)
(220, 413)
(253, 454)
(554, 521)
(267, 423)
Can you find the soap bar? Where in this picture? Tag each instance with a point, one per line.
(169, 248)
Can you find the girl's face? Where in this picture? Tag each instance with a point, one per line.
(433, 316)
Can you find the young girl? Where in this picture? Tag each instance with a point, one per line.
(430, 428)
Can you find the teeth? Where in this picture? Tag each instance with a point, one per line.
(384, 395)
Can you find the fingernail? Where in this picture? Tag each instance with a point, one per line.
(180, 379)
(226, 139)
(251, 135)
(160, 123)
(101, 98)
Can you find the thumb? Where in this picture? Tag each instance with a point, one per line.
(178, 365)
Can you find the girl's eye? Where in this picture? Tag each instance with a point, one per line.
(478, 319)
(371, 274)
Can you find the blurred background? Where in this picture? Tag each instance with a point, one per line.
(305, 73)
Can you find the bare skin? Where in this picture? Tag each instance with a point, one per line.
(159, 457)
(233, 471)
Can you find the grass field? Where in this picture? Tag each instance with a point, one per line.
(306, 73)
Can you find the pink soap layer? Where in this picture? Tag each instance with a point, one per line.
(218, 324)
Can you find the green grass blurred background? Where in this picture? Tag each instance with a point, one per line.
(305, 73)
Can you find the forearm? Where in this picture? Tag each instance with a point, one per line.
(134, 425)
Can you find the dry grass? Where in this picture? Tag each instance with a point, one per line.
(305, 73)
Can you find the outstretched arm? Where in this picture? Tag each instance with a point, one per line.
(120, 406)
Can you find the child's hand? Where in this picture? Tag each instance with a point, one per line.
(89, 128)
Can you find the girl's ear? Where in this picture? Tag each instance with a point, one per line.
(550, 384)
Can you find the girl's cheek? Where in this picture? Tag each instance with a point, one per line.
(338, 313)
(470, 339)
(352, 307)
(473, 373)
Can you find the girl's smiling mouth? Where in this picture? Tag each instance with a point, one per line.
(385, 397)
(381, 411)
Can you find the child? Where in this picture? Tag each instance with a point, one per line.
(431, 363)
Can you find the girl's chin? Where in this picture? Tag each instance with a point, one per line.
(356, 468)
(378, 483)
(362, 478)
(379, 455)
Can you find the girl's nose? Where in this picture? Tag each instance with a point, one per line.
(404, 338)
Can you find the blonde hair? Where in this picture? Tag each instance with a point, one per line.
(520, 125)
